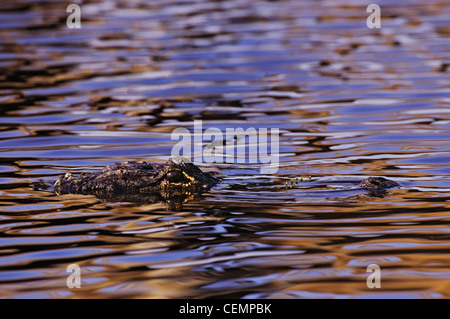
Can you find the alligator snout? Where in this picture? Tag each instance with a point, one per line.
(378, 184)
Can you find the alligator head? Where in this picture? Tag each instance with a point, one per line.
(377, 186)
(139, 181)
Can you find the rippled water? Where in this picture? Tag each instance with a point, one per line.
(349, 101)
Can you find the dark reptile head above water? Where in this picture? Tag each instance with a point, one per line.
(378, 184)
(141, 181)
(371, 186)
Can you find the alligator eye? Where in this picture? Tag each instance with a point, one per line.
(175, 176)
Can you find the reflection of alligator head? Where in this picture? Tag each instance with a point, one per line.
(140, 182)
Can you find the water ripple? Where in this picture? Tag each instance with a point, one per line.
(349, 102)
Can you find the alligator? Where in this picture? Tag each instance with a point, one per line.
(371, 186)
(173, 182)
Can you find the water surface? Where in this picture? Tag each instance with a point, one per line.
(349, 101)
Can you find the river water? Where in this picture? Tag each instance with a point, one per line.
(349, 102)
